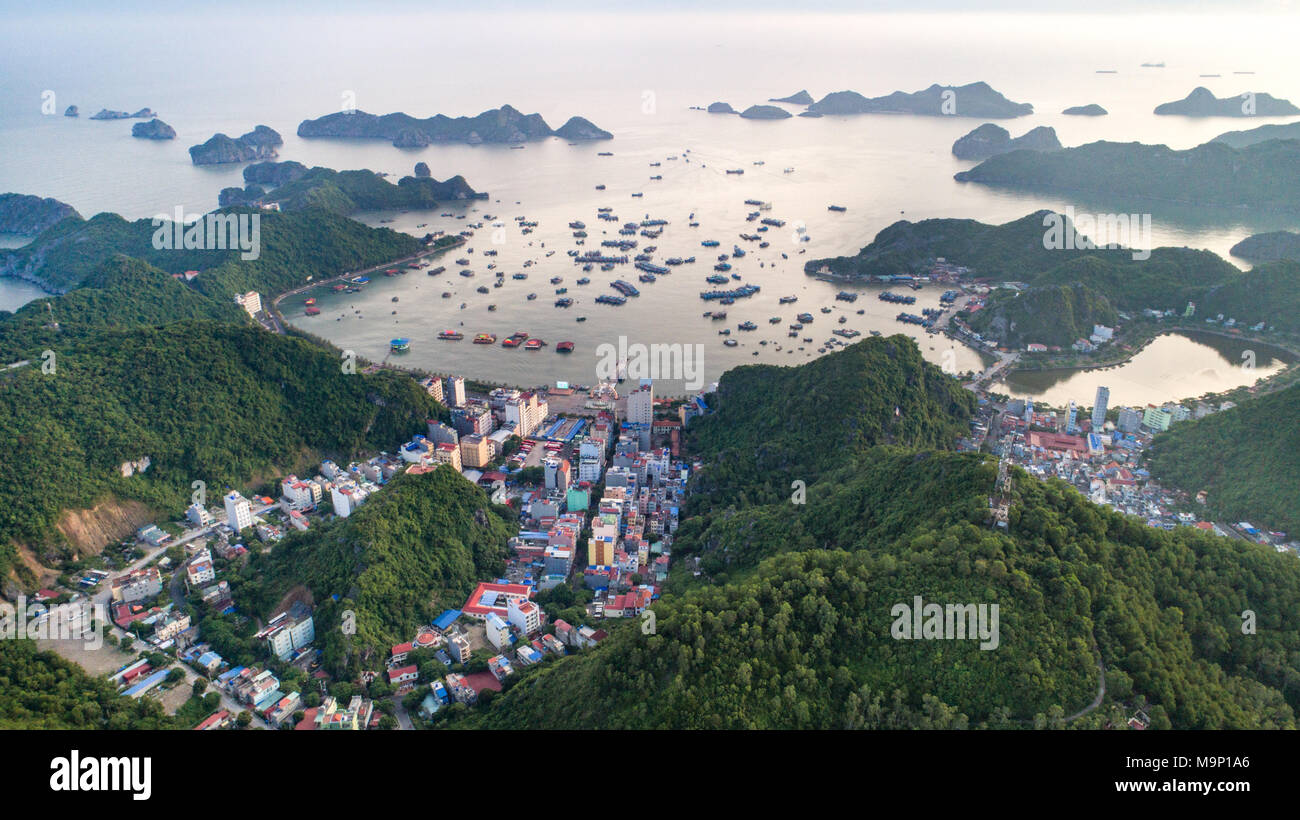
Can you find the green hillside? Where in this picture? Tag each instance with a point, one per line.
(410, 552)
(1246, 458)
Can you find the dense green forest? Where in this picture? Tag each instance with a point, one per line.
(294, 248)
(40, 690)
(413, 550)
(345, 192)
(1246, 458)
(1047, 314)
(788, 623)
(217, 403)
(775, 425)
(1263, 176)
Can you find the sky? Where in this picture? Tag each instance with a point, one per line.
(25, 8)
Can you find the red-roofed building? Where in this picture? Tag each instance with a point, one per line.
(488, 598)
(400, 652)
(1057, 443)
(217, 720)
(403, 675)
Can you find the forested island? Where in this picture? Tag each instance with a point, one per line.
(977, 99)
(291, 186)
(1264, 176)
(498, 125)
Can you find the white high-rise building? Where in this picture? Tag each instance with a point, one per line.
(239, 514)
(456, 391)
(641, 411)
(1099, 407)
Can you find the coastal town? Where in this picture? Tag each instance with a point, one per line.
(597, 498)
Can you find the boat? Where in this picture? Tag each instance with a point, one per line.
(747, 326)
(717, 279)
(437, 270)
(519, 276)
(564, 347)
(710, 243)
(843, 319)
(563, 302)
(451, 335)
(400, 345)
(310, 301)
(485, 339)
(647, 277)
(625, 288)
(532, 296)
(534, 344)
(839, 209)
(606, 299)
(775, 320)
(312, 311)
(846, 296)
(555, 280)
(788, 300)
(730, 342)
(890, 296)
(805, 318)
(719, 314)
(492, 308)
(582, 318)
(826, 310)
(736, 171)
(584, 281)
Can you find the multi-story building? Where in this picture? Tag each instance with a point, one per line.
(239, 513)
(346, 498)
(137, 585)
(498, 631)
(198, 515)
(458, 648)
(171, 625)
(433, 386)
(475, 451)
(250, 302)
(300, 495)
(556, 472)
(641, 411)
(472, 420)
(1130, 420)
(526, 412)
(1099, 407)
(455, 391)
(290, 631)
(524, 615)
(440, 433)
(447, 453)
(1156, 418)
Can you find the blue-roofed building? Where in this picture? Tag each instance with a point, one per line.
(146, 684)
(446, 619)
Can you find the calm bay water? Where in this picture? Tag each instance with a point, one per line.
(635, 75)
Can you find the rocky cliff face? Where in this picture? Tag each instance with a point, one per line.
(989, 140)
(259, 144)
(153, 130)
